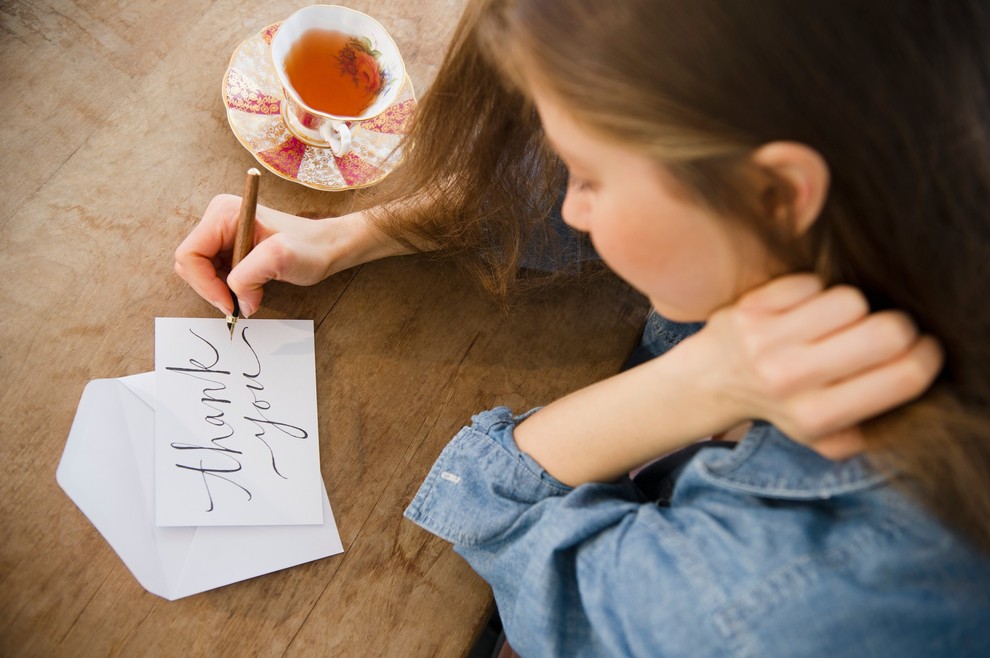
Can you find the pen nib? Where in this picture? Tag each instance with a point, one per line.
(231, 321)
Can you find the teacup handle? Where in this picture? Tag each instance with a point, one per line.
(338, 135)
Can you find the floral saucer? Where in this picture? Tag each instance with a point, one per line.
(252, 95)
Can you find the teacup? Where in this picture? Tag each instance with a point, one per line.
(356, 57)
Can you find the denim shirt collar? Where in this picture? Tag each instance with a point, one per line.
(767, 463)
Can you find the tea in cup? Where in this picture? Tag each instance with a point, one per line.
(337, 67)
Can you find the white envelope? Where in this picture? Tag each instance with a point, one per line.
(107, 469)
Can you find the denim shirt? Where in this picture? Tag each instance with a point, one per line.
(765, 550)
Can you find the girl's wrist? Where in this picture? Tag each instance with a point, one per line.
(716, 386)
(353, 240)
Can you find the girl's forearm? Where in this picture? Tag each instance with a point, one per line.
(603, 431)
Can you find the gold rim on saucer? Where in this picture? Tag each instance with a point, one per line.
(252, 95)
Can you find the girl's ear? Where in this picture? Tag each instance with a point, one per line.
(804, 175)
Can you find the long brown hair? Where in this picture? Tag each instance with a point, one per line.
(482, 179)
(894, 95)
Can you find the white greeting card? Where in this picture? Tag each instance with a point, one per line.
(236, 436)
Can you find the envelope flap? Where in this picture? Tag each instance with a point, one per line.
(100, 474)
(142, 385)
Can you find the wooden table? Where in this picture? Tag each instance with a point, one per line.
(114, 140)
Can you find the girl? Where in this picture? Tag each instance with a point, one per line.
(714, 148)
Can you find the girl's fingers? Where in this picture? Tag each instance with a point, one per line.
(865, 344)
(782, 293)
(872, 392)
(817, 317)
(841, 445)
(214, 233)
(817, 362)
(810, 319)
(202, 277)
(195, 257)
(273, 259)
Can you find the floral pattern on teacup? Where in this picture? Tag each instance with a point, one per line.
(359, 60)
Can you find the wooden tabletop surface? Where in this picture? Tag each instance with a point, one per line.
(114, 139)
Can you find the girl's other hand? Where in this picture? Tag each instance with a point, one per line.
(817, 362)
(286, 248)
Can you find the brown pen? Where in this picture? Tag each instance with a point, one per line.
(244, 239)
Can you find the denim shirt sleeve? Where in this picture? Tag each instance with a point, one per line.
(557, 557)
(462, 502)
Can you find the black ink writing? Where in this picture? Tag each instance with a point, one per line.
(216, 406)
(232, 423)
(260, 420)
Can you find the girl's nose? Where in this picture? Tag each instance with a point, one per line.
(575, 211)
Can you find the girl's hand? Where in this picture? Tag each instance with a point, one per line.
(813, 362)
(287, 248)
(816, 362)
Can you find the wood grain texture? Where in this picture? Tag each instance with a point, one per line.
(116, 140)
